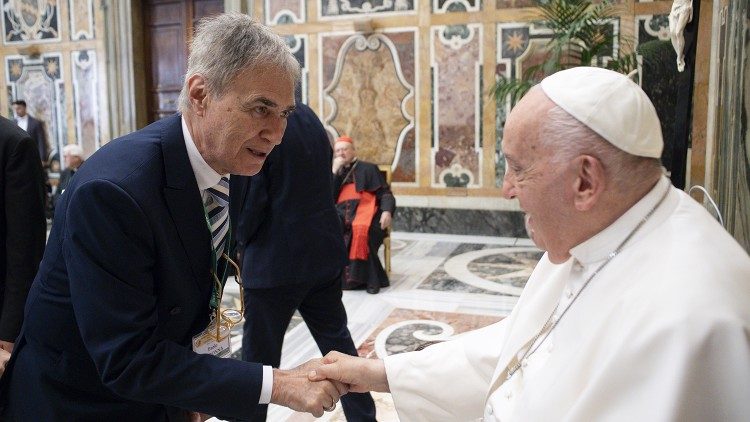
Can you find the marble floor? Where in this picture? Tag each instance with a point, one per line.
(441, 286)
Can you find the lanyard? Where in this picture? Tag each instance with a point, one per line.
(218, 283)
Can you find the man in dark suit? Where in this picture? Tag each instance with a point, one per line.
(34, 127)
(22, 226)
(291, 199)
(133, 272)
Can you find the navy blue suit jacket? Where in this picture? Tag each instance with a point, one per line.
(285, 218)
(123, 286)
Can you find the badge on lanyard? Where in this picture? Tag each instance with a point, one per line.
(213, 340)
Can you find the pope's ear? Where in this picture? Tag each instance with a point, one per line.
(589, 182)
(197, 93)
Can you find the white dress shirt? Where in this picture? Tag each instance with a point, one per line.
(206, 178)
(23, 122)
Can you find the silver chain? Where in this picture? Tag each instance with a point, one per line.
(551, 321)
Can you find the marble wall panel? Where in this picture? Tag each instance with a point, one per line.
(39, 81)
(85, 100)
(509, 4)
(519, 46)
(81, 19)
(369, 93)
(458, 221)
(280, 12)
(30, 21)
(348, 8)
(456, 61)
(450, 6)
(298, 46)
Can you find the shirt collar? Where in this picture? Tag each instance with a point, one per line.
(204, 174)
(606, 241)
(21, 119)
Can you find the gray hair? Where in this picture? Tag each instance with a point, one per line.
(73, 150)
(569, 138)
(227, 44)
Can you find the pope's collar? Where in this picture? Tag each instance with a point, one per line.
(603, 243)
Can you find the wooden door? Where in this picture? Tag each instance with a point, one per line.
(168, 27)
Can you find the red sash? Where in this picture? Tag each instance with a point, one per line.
(359, 248)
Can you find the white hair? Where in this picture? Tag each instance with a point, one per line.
(569, 138)
(227, 44)
(74, 150)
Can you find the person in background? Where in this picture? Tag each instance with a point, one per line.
(34, 127)
(73, 158)
(124, 320)
(365, 205)
(291, 199)
(638, 311)
(22, 227)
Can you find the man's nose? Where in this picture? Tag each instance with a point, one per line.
(509, 189)
(275, 130)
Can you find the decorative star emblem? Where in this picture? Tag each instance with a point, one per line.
(515, 42)
(16, 69)
(51, 67)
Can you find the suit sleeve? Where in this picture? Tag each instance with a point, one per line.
(109, 250)
(26, 232)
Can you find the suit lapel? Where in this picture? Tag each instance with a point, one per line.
(184, 200)
(535, 309)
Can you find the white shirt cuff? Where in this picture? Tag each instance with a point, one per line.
(265, 391)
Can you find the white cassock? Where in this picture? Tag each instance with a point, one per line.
(662, 333)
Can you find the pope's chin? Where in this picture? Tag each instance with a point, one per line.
(528, 224)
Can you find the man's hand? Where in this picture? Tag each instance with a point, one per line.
(385, 220)
(338, 162)
(199, 417)
(7, 346)
(4, 357)
(293, 389)
(361, 375)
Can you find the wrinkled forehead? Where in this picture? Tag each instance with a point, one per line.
(343, 145)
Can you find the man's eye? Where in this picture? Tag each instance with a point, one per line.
(262, 110)
(285, 114)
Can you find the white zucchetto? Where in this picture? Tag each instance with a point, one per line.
(611, 105)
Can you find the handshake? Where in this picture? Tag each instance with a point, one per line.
(317, 385)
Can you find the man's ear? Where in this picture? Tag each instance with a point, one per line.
(197, 94)
(589, 183)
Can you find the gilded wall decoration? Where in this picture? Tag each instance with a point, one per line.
(456, 61)
(448, 6)
(508, 4)
(81, 19)
(39, 82)
(85, 100)
(30, 21)
(284, 12)
(369, 94)
(343, 8)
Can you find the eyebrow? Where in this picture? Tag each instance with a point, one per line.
(269, 103)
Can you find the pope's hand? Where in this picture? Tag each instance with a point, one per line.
(359, 374)
(293, 389)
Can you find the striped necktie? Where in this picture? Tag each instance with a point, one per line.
(218, 213)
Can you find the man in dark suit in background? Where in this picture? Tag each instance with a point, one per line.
(290, 243)
(22, 226)
(34, 127)
(132, 274)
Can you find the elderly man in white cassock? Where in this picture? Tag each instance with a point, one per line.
(638, 311)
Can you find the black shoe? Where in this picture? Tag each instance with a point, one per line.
(373, 290)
